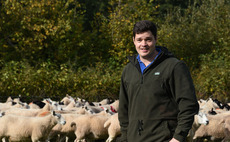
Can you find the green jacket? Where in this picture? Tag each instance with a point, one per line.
(158, 104)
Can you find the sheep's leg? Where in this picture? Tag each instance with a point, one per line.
(7, 139)
(110, 139)
(66, 139)
(80, 135)
(199, 133)
(34, 139)
(62, 138)
(82, 140)
(4, 139)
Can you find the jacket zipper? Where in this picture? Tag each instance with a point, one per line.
(140, 128)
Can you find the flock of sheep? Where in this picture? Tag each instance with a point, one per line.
(68, 120)
(218, 126)
(74, 119)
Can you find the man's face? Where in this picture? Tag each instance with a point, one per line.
(145, 45)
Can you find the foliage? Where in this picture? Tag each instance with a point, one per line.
(212, 79)
(79, 47)
(193, 33)
(99, 82)
(19, 78)
(118, 27)
(38, 30)
(169, 5)
(200, 37)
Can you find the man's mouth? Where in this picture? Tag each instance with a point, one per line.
(144, 49)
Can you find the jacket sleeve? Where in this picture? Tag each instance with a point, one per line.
(183, 91)
(123, 110)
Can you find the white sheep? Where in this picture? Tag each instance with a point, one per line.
(103, 102)
(72, 106)
(215, 129)
(77, 110)
(112, 107)
(113, 126)
(28, 112)
(11, 104)
(115, 105)
(82, 110)
(94, 109)
(67, 99)
(64, 131)
(33, 106)
(199, 119)
(21, 128)
(207, 105)
(90, 127)
(6, 105)
(9, 99)
(21, 105)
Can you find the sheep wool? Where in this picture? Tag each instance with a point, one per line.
(22, 128)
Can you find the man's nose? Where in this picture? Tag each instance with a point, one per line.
(144, 43)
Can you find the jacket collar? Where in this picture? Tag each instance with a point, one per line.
(163, 55)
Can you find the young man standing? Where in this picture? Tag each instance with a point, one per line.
(157, 100)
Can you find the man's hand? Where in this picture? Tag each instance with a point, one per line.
(173, 140)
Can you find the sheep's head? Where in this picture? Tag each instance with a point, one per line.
(59, 117)
(202, 118)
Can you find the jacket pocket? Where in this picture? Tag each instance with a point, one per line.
(147, 130)
(162, 130)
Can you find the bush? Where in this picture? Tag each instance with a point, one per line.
(95, 83)
(213, 77)
(199, 35)
(48, 80)
(192, 33)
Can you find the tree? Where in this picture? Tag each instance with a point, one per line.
(193, 33)
(39, 30)
(118, 27)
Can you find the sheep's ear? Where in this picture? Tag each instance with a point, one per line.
(106, 110)
(222, 120)
(53, 113)
(72, 124)
(2, 114)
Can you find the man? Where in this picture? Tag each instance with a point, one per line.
(157, 100)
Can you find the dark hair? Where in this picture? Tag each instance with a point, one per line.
(144, 26)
